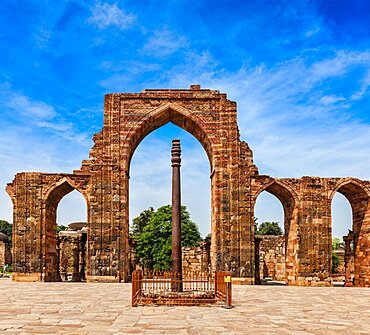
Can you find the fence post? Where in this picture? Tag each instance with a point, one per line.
(227, 282)
(136, 286)
(216, 280)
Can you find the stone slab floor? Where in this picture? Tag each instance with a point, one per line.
(79, 308)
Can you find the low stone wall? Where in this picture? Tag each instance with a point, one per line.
(339, 275)
(195, 259)
(272, 257)
(5, 253)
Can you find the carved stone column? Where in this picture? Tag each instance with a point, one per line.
(76, 260)
(58, 277)
(348, 259)
(82, 258)
(257, 276)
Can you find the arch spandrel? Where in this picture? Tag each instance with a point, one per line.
(57, 190)
(351, 188)
(158, 117)
(278, 188)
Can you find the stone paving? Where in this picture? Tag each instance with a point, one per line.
(80, 308)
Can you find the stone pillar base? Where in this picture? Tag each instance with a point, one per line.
(242, 281)
(102, 279)
(311, 281)
(27, 277)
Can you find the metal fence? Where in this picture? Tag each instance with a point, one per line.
(191, 288)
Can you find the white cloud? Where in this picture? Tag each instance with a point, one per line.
(30, 108)
(313, 31)
(22, 149)
(330, 99)
(55, 126)
(338, 65)
(164, 43)
(364, 89)
(105, 15)
(36, 115)
(35, 138)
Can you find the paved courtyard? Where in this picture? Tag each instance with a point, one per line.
(79, 308)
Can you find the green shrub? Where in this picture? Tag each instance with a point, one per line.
(335, 263)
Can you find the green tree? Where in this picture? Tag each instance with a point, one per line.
(6, 228)
(335, 263)
(154, 241)
(337, 243)
(141, 221)
(60, 228)
(269, 228)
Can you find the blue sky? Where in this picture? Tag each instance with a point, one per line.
(299, 71)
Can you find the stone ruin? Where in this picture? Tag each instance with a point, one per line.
(103, 180)
(5, 250)
(270, 251)
(71, 252)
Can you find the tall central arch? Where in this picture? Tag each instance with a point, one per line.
(211, 118)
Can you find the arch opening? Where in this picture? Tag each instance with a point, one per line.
(355, 258)
(275, 255)
(269, 218)
(150, 179)
(342, 225)
(65, 234)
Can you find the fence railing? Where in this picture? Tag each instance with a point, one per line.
(190, 288)
(223, 287)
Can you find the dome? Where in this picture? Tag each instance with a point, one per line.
(76, 225)
(3, 238)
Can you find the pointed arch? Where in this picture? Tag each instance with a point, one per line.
(280, 190)
(351, 188)
(359, 199)
(51, 199)
(61, 188)
(158, 117)
(358, 196)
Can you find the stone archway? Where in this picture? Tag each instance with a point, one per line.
(52, 197)
(211, 119)
(180, 117)
(289, 200)
(359, 199)
(103, 179)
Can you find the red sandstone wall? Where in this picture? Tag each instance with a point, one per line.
(235, 186)
(272, 257)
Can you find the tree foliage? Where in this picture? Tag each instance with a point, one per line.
(337, 243)
(335, 263)
(268, 228)
(154, 236)
(60, 228)
(141, 221)
(6, 228)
